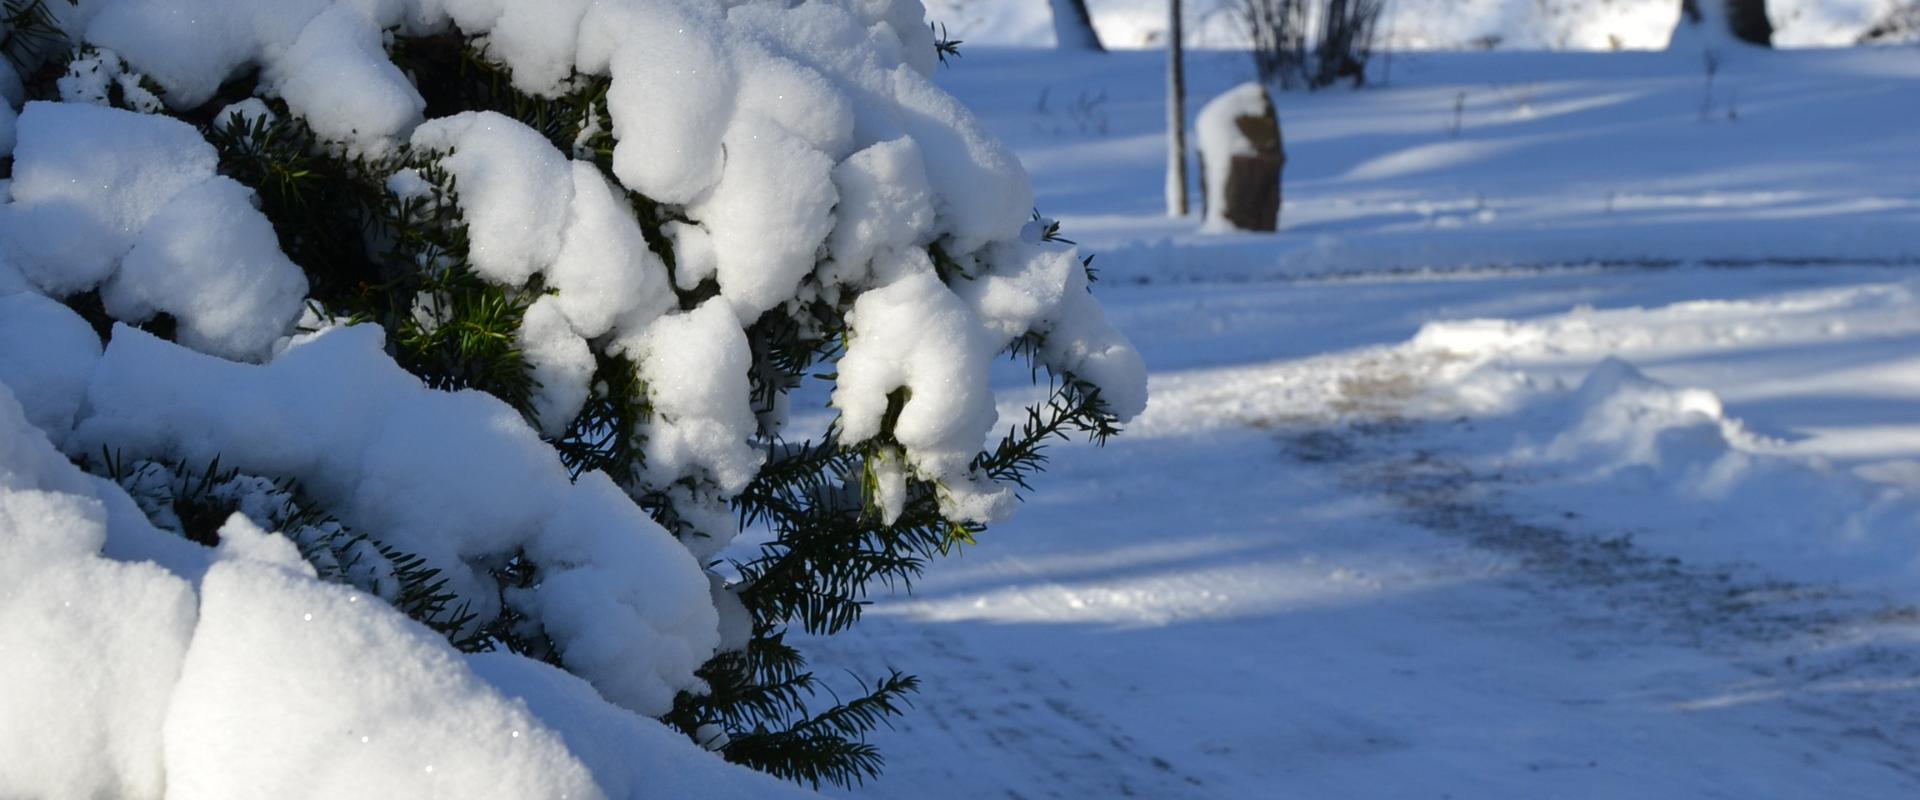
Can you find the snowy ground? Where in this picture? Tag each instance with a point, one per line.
(1419, 24)
(1395, 524)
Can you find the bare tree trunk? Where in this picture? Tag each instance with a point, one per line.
(1176, 115)
(1073, 27)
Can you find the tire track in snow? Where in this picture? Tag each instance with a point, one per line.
(1846, 663)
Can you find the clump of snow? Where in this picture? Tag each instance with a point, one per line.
(514, 190)
(1042, 288)
(1637, 421)
(604, 271)
(889, 471)
(92, 645)
(980, 193)
(695, 365)
(695, 261)
(916, 345)
(214, 263)
(47, 353)
(85, 181)
(249, 113)
(98, 75)
(561, 362)
(131, 201)
(885, 204)
(767, 216)
(628, 755)
(457, 479)
(672, 97)
(273, 698)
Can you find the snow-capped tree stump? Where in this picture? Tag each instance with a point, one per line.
(1241, 156)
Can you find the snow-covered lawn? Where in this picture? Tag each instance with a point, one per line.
(1576, 454)
(1418, 24)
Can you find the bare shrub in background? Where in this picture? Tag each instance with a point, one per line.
(1901, 24)
(1277, 31)
(1311, 43)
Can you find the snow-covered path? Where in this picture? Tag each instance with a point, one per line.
(1298, 577)
(1395, 528)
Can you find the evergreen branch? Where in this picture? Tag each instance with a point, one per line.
(605, 435)
(944, 46)
(194, 503)
(828, 747)
(816, 759)
(31, 32)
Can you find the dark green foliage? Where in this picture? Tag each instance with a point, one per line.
(467, 338)
(512, 630)
(830, 547)
(326, 210)
(1072, 407)
(605, 436)
(28, 38)
(828, 746)
(1051, 233)
(454, 76)
(30, 34)
(943, 45)
(759, 699)
(372, 255)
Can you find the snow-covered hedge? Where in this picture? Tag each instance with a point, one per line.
(479, 293)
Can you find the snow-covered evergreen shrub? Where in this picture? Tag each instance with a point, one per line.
(494, 310)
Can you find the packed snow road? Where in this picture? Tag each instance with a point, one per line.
(1413, 557)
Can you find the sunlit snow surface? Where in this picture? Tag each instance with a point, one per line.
(1472, 482)
(1418, 24)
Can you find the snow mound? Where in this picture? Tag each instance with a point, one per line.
(1626, 419)
(129, 203)
(247, 674)
(259, 707)
(1621, 435)
(92, 646)
(416, 465)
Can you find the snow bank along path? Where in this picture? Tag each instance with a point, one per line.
(812, 158)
